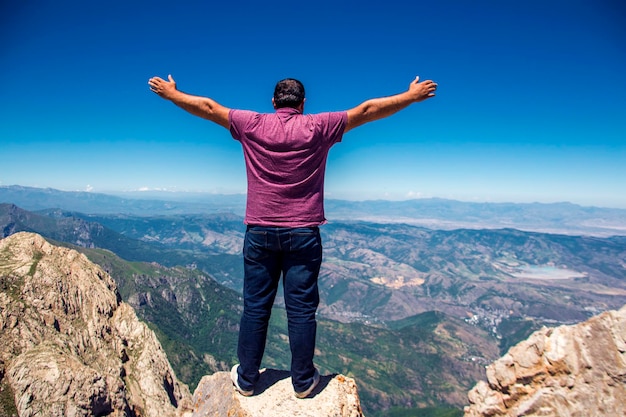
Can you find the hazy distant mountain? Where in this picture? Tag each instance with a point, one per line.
(563, 218)
(136, 203)
(435, 213)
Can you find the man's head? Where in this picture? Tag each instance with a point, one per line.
(288, 93)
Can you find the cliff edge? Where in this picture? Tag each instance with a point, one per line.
(577, 370)
(69, 346)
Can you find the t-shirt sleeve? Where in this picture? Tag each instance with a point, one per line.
(238, 119)
(333, 125)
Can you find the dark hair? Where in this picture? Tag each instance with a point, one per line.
(288, 93)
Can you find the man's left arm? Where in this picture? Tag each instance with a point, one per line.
(199, 106)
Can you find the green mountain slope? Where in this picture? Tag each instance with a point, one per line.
(423, 361)
(74, 228)
(195, 318)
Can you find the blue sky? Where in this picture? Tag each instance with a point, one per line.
(531, 104)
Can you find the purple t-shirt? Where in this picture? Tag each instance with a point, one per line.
(285, 154)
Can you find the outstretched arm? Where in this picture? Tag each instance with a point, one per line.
(200, 106)
(379, 108)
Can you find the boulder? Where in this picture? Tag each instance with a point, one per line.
(577, 370)
(335, 396)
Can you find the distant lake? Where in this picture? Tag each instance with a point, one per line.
(547, 272)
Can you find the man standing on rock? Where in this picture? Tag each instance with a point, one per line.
(285, 154)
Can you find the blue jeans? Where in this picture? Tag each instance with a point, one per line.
(268, 252)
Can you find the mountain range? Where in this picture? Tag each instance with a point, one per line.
(379, 272)
(433, 213)
(71, 347)
(196, 321)
(433, 306)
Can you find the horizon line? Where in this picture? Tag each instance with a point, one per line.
(166, 191)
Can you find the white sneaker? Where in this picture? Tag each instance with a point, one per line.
(316, 380)
(234, 376)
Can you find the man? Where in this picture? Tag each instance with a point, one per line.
(285, 154)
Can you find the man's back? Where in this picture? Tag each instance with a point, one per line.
(285, 154)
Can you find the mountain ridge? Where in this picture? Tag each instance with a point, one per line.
(434, 213)
(65, 330)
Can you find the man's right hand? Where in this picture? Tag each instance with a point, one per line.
(163, 88)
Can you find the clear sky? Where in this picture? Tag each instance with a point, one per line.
(531, 104)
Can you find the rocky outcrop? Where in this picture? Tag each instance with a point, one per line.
(69, 346)
(577, 370)
(335, 396)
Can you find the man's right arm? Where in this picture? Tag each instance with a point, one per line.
(199, 106)
(379, 108)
